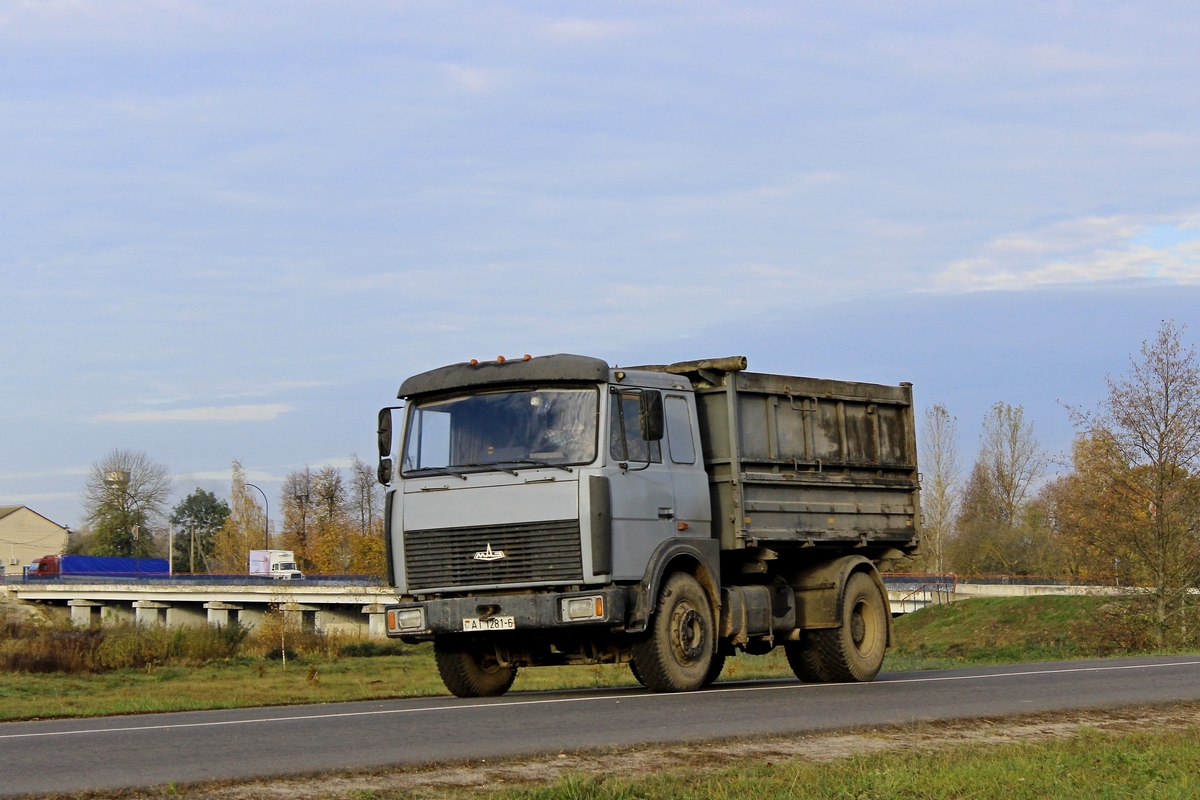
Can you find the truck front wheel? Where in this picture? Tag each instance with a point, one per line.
(471, 670)
(677, 652)
(854, 651)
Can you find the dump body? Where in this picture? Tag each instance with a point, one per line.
(809, 462)
(99, 566)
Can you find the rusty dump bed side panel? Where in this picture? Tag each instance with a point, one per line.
(809, 462)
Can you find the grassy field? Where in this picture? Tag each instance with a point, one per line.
(983, 631)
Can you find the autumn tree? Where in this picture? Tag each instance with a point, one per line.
(245, 528)
(368, 549)
(330, 547)
(1083, 512)
(1150, 421)
(940, 484)
(198, 518)
(334, 523)
(296, 501)
(124, 498)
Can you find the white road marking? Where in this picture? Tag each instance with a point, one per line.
(605, 698)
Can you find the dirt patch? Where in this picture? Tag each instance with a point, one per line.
(439, 780)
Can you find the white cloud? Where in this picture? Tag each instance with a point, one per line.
(48, 473)
(1085, 251)
(576, 29)
(247, 413)
(472, 79)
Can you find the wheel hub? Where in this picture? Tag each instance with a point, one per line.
(689, 635)
(858, 628)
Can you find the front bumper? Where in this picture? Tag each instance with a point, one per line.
(530, 612)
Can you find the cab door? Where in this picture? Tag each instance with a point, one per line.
(642, 486)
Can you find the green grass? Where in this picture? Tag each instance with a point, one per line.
(980, 631)
(1003, 630)
(1088, 765)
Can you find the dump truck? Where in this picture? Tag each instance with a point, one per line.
(559, 510)
(109, 567)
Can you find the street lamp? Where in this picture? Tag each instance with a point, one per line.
(266, 516)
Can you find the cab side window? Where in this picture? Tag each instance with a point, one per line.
(679, 430)
(625, 442)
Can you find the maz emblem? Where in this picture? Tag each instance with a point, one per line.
(489, 554)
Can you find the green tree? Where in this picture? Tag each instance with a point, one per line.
(124, 501)
(197, 520)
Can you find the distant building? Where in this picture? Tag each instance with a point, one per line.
(26, 535)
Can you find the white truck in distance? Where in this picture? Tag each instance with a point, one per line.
(279, 564)
(557, 510)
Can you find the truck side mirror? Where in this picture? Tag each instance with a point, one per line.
(650, 416)
(384, 472)
(385, 432)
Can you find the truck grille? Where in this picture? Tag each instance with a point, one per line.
(534, 552)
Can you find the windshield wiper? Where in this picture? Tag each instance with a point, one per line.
(492, 467)
(437, 471)
(533, 462)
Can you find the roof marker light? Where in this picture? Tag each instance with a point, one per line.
(474, 362)
(499, 359)
(527, 357)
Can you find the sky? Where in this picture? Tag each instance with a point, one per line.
(229, 230)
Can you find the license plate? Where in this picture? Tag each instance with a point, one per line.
(490, 624)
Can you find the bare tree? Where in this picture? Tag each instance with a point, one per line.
(296, 498)
(330, 548)
(1151, 421)
(124, 501)
(365, 494)
(1012, 456)
(997, 530)
(940, 489)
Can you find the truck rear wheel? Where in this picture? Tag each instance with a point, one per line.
(471, 671)
(677, 652)
(854, 651)
(805, 661)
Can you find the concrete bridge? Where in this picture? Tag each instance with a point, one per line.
(907, 593)
(332, 605)
(356, 606)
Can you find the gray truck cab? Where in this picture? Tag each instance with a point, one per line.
(556, 473)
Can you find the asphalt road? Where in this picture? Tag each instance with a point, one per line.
(132, 751)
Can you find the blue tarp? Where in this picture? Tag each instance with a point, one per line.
(112, 565)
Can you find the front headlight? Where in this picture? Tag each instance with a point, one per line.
(401, 620)
(577, 609)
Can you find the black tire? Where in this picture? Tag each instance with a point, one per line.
(714, 669)
(677, 651)
(637, 676)
(471, 671)
(854, 652)
(805, 661)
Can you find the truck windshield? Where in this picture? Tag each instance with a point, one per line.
(555, 427)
